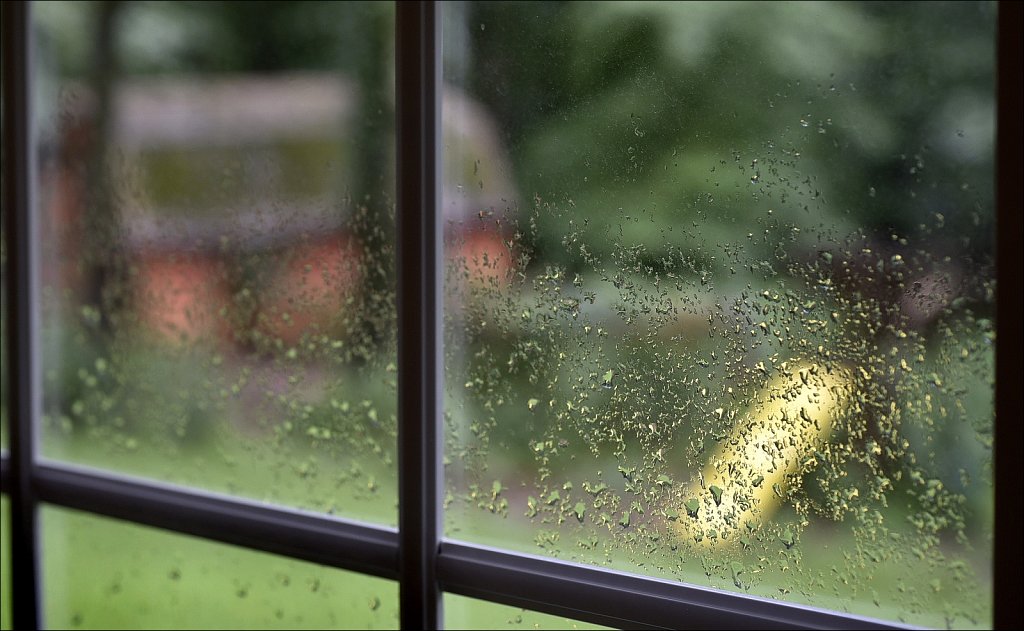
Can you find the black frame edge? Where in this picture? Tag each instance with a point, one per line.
(22, 313)
(1009, 475)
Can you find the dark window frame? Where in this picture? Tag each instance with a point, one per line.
(425, 564)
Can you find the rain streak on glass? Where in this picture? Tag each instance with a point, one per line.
(216, 198)
(720, 295)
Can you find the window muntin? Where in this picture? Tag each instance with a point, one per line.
(736, 326)
(218, 256)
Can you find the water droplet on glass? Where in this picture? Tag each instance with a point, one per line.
(787, 538)
(716, 492)
(692, 506)
(580, 509)
(606, 379)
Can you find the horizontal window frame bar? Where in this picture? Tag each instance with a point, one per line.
(323, 539)
(552, 586)
(614, 598)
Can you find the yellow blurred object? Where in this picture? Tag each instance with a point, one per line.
(779, 435)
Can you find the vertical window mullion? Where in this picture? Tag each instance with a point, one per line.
(22, 314)
(419, 289)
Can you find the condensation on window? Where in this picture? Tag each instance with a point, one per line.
(104, 574)
(216, 193)
(720, 295)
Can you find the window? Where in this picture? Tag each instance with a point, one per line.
(687, 316)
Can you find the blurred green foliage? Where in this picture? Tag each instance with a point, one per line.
(627, 105)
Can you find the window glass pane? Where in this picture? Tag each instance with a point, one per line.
(216, 186)
(101, 573)
(469, 613)
(720, 294)
(5, 563)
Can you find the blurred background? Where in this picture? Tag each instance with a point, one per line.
(719, 294)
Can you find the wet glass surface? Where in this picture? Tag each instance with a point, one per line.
(216, 191)
(720, 295)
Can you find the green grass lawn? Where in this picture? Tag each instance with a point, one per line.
(103, 573)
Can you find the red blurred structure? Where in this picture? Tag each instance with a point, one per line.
(228, 204)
